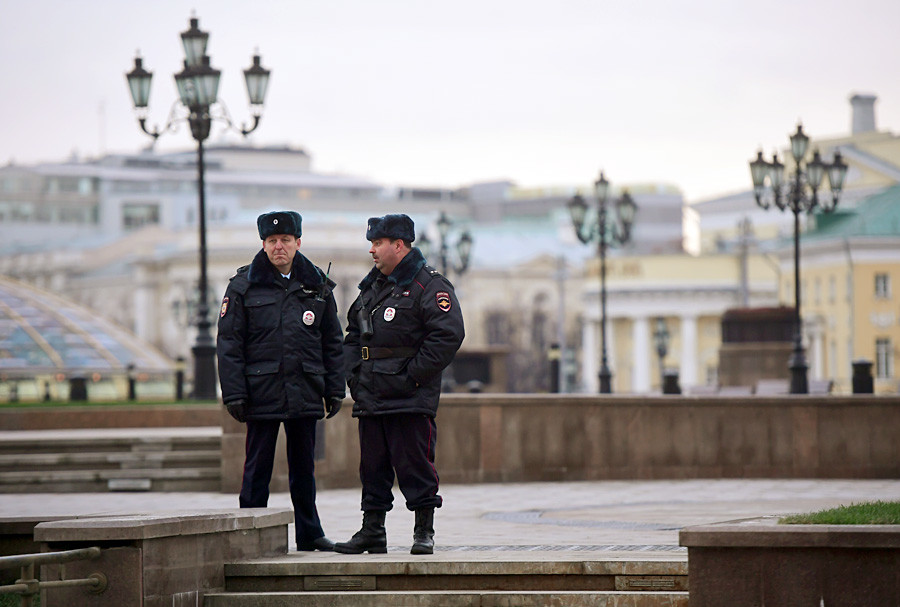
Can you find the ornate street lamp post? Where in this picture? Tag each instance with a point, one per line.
(606, 233)
(463, 247)
(198, 85)
(799, 195)
(463, 254)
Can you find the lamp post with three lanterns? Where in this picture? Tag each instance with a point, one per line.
(463, 254)
(198, 85)
(605, 233)
(798, 195)
(463, 246)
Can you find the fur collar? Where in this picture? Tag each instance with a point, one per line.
(403, 274)
(262, 272)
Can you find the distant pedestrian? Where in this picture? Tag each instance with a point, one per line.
(403, 330)
(280, 362)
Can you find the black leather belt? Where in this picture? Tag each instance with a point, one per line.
(368, 353)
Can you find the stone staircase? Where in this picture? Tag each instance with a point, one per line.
(99, 460)
(452, 579)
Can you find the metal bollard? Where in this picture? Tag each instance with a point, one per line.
(670, 382)
(554, 355)
(132, 391)
(78, 388)
(862, 377)
(179, 378)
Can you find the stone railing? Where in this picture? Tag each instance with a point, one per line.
(525, 437)
(535, 437)
(29, 585)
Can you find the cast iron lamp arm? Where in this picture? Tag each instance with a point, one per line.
(171, 122)
(225, 117)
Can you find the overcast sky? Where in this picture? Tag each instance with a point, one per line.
(542, 92)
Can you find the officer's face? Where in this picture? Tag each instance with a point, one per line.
(386, 253)
(281, 249)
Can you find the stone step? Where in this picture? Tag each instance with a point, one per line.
(297, 572)
(448, 598)
(85, 481)
(117, 459)
(452, 580)
(110, 459)
(104, 440)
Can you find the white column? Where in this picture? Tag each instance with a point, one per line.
(688, 372)
(818, 358)
(589, 356)
(640, 344)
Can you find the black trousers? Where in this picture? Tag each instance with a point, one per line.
(260, 458)
(401, 443)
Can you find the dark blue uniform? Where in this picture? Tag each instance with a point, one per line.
(279, 350)
(403, 330)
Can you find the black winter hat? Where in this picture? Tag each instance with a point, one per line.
(279, 222)
(397, 226)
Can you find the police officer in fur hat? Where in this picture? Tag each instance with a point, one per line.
(280, 362)
(403, 330)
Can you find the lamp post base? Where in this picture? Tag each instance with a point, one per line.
(798, 367)
(605, 377)
(204, 372)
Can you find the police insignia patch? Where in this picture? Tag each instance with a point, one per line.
(443, 301)
(224, 308)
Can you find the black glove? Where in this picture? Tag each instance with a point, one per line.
(237, 409)
(332, 406)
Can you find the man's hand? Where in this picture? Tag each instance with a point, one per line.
(237, 409)
(332, 406)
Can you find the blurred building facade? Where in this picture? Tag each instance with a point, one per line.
(118, 235)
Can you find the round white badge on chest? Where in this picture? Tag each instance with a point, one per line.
(309, 318)
(389, 314)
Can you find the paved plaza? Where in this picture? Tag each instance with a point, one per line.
(609, 519)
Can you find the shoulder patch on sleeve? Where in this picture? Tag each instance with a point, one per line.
(224, 309)
(443, 300)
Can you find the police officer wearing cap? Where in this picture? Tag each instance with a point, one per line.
(280, 362)
(403, 330)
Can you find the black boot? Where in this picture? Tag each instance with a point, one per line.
(371, 537)
(423, 534)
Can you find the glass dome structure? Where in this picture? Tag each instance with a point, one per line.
(43, 333)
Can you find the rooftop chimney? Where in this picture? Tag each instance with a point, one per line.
(863, 114)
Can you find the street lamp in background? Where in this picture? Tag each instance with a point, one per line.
(463, 247)
(606, 233)
(798, 195)
(463, 254)
(661, 341)
(198, 85)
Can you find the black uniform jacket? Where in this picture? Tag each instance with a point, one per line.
(280, 347)
(417, 327)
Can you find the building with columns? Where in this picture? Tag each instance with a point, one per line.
(690, 294)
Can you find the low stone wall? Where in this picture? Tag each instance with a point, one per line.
(759, 562)
(108, 416)
(525, 437)
(539, 437)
